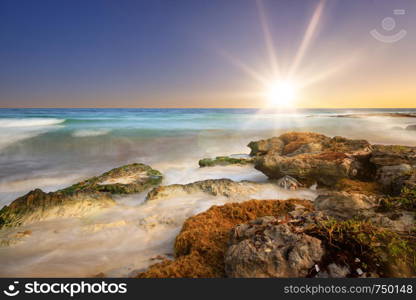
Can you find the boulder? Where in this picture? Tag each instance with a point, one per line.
(38, 205)
(79, 199)
(312, 157)
(265, 248)
(132, 178)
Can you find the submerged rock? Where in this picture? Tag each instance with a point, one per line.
(79, 199)
(265, 248)
(224, 161)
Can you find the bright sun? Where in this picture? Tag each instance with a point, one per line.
(281, 94)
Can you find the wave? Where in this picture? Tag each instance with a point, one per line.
(29, 122)
(90, 132)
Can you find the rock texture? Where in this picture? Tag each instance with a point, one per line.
(133, 178)
(214, 187)
(265, 248)
(311, 157)
(201, 245)
(80, 199)
(224, 161)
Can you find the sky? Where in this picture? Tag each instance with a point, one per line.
(196, 53)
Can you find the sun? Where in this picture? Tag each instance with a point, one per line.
(281, 94)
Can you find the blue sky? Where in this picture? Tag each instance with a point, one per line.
(166, 53)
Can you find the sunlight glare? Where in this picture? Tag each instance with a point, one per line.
(281, 94)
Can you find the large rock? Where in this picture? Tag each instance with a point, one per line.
(411, 127)
(37, 205)
(311, 157)
(133, 178)
(79, 199)
(265, 248)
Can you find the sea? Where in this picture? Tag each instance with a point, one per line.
(50, 148)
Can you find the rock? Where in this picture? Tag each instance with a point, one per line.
(288, 183)
(395, 167)
(133, 178)
(311, 157)
(411, 127)
(214, 187)
(263, 146)
(343, 205)
(265, 248)
(391, 155)
(203, 240)
(224, 161)
(392, 178)
(79, 199)
(38, 205)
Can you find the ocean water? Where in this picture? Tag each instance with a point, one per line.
(53, 148)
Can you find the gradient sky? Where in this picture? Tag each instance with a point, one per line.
(171, 53)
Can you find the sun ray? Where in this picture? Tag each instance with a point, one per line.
(307, 38)
(242, 66)
(268, 38)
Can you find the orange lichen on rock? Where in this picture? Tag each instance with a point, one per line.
(202, 242)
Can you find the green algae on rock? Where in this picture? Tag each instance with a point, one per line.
(38, 205)
(132, 178)
(79, 199)
(224, 161)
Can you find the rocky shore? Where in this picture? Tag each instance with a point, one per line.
(360, 224)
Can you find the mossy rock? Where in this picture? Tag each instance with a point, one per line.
(224, 161)
(79, 199)
(128, 179)
(38, 205)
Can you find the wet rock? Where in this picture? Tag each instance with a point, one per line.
(265, 248)
(38, 205)
(343, 205)
(79, 199)
(215, 187)
(224, 161)
(133, 178)
(411, 127)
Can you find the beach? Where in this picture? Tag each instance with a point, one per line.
(54, 148)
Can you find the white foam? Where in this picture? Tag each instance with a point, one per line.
(29, 122)
(15, 130)
(90, 132)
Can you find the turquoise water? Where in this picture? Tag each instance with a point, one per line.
(74, 143)
(53, 148)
